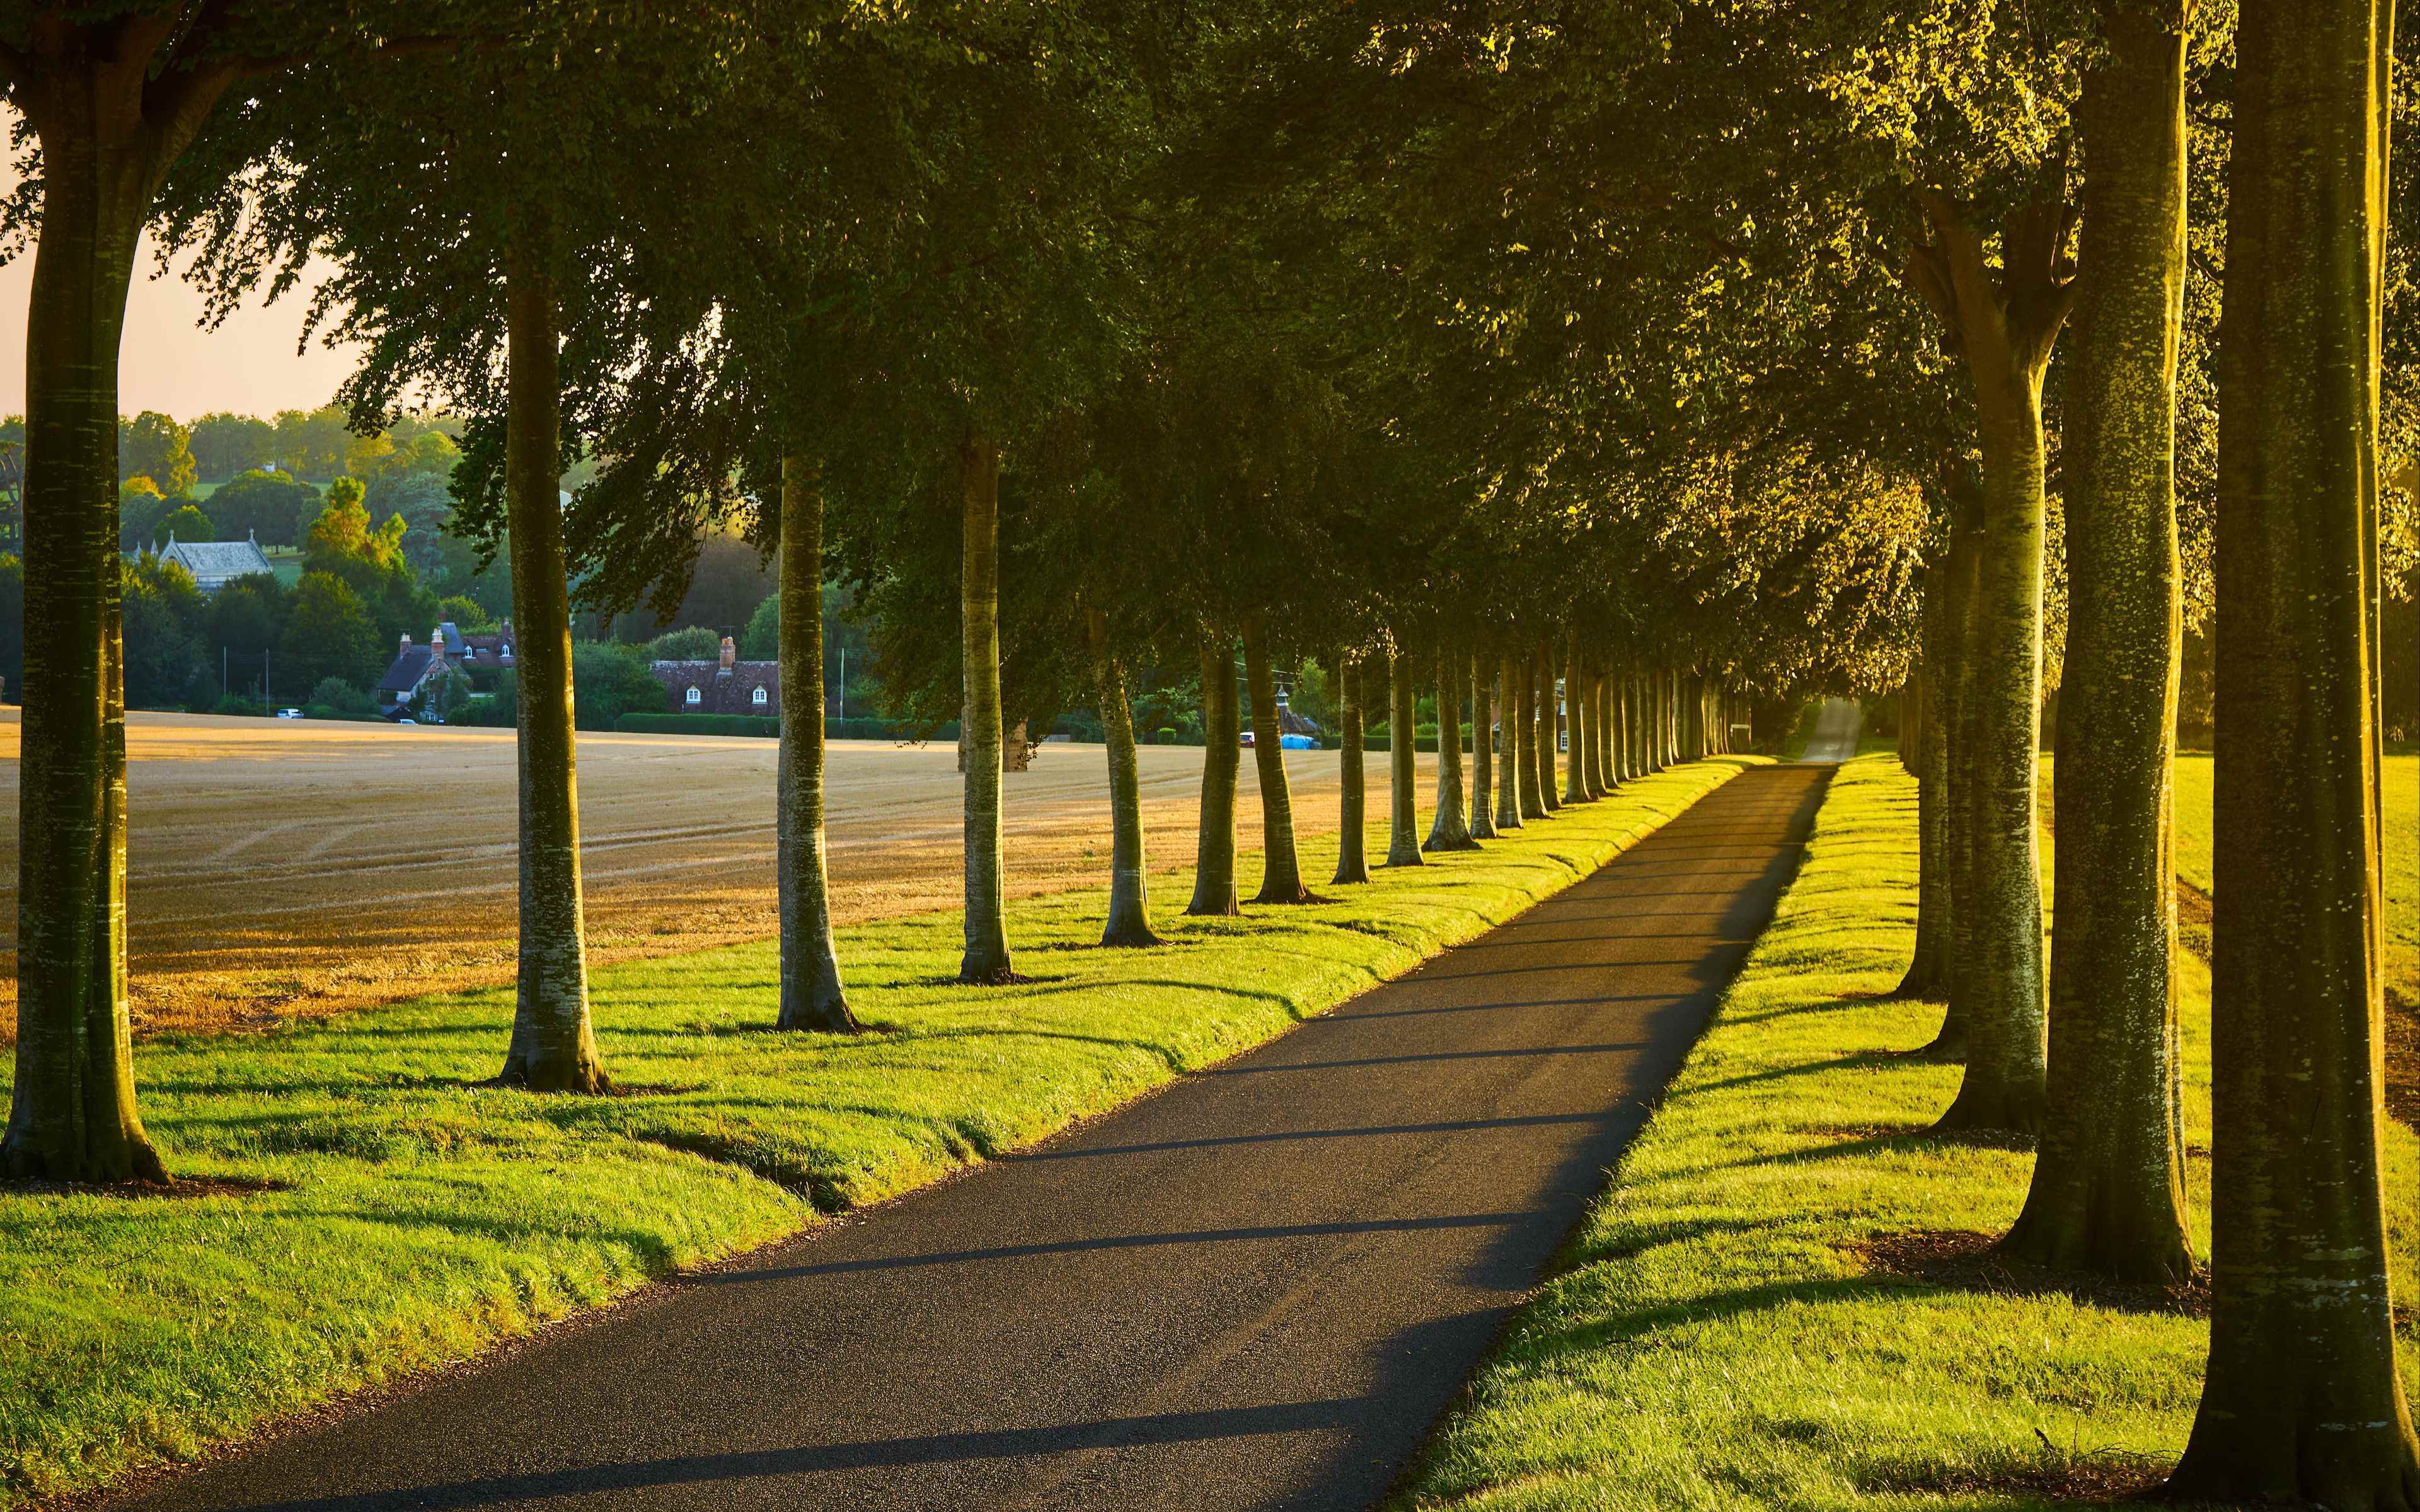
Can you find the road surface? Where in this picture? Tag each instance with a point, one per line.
(1257, 1290)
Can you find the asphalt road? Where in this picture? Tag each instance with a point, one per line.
(1836, 727)
(1257, 1290)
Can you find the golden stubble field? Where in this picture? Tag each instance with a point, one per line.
(281, 868)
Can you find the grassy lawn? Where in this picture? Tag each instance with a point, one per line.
(421, 1216)
(1719, 1334)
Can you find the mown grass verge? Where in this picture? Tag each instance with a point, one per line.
(1721, 1334)
(421, 1216)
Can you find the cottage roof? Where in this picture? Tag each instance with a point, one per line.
(404, 675)
(721, 690)
(213, 563)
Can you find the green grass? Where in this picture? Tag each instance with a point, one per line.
(2402, 846)
(1714, 1338)
(427, 1216)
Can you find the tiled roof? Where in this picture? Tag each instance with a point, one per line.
(405, 673)
(720, 692)
(216, 561)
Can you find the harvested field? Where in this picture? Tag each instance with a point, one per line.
(284, 868)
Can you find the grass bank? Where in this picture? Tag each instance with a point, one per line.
(1760, 1313)
(418, 1217)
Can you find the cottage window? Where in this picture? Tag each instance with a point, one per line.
(694, 698)
(757, 698)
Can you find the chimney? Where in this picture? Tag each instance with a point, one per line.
(437, 641)
(729, 653)
(405, 645)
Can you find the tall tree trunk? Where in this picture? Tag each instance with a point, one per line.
(2006, 321)
(2108, 1186)
(986, 957)
(1576, 788)
(1482, 752)
(553, 1046)
(1222, 757)
(1403, 713)
(1509, 802)
(1352, 841)
(1129, 920)
(1525, 743)
(1928, 971)
(812, 995)
(1600, 770)
(2302, 1401)
(1961, 572)
(1280, 869)
(1450, 829)
(1550, 727)
(71, 1114)
(1617, 728)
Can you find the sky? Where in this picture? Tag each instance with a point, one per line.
(168, 362)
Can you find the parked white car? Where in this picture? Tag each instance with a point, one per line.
(289, 714)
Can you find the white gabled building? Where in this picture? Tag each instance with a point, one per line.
(216, 563)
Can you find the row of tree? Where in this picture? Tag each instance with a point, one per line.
(1706, 347)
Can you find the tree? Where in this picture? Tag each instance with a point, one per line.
(313, 443)
(267, 507)
(153, 446)
(185, 522)
(1281, 868)
(12, 627)
(328, 633)
(2108, 1187)
(225, 445)
(141, 508)
(2303, 1400)
(467, 614)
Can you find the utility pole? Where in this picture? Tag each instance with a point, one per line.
(843, 684)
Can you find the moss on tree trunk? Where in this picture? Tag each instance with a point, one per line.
(553, 1044)
(2301, 1400)
(1129, 920)
(986, 956)
(1280, 869)
(1352, 835)
(1214, 850)
(1450, 828)
(1483, 754)
(812, 994)
(1510, 768)
(2108, 1186)
(1402, 765)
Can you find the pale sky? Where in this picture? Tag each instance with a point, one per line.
(168, 362)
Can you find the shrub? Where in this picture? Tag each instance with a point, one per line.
(694, 642)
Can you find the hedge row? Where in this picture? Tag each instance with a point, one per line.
(766, 726)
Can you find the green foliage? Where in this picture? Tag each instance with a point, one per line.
(480, 1212)
(328, 633)
(225, 445)
(269, 507)
(312, 443)
(186, 522)
(153, 446)
(700, 724)
(469, 615)
(161, 619)
(694, 643)
(248, 614)
(335, 699)
(609, 681)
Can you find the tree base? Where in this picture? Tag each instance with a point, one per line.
(2142, 1254)
(1346, 875)
(140, 1166)
(1214, 906)
(583, 1079)
(1129, 935)
(998, 974)
(830, 1016)
(1983, 1107)
(1297, 895)
(1456, 843)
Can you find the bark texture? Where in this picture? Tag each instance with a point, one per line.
(553, 1046)
(1511, 800)
(1129, 920)
(1450, 828)
(1402, 765)
(1576, 783)
(1280, 868)
(1962, 569)
(2108, 1185)
(1927, 761)
(1482, 755)
(1222, 737)
(812, 994)
(1550, 728)
(2302, 1401)
(72, 1114)
(2005, 321)
(1351, 833)
(986, 957)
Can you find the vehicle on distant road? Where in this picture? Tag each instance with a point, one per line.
(289, 714)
